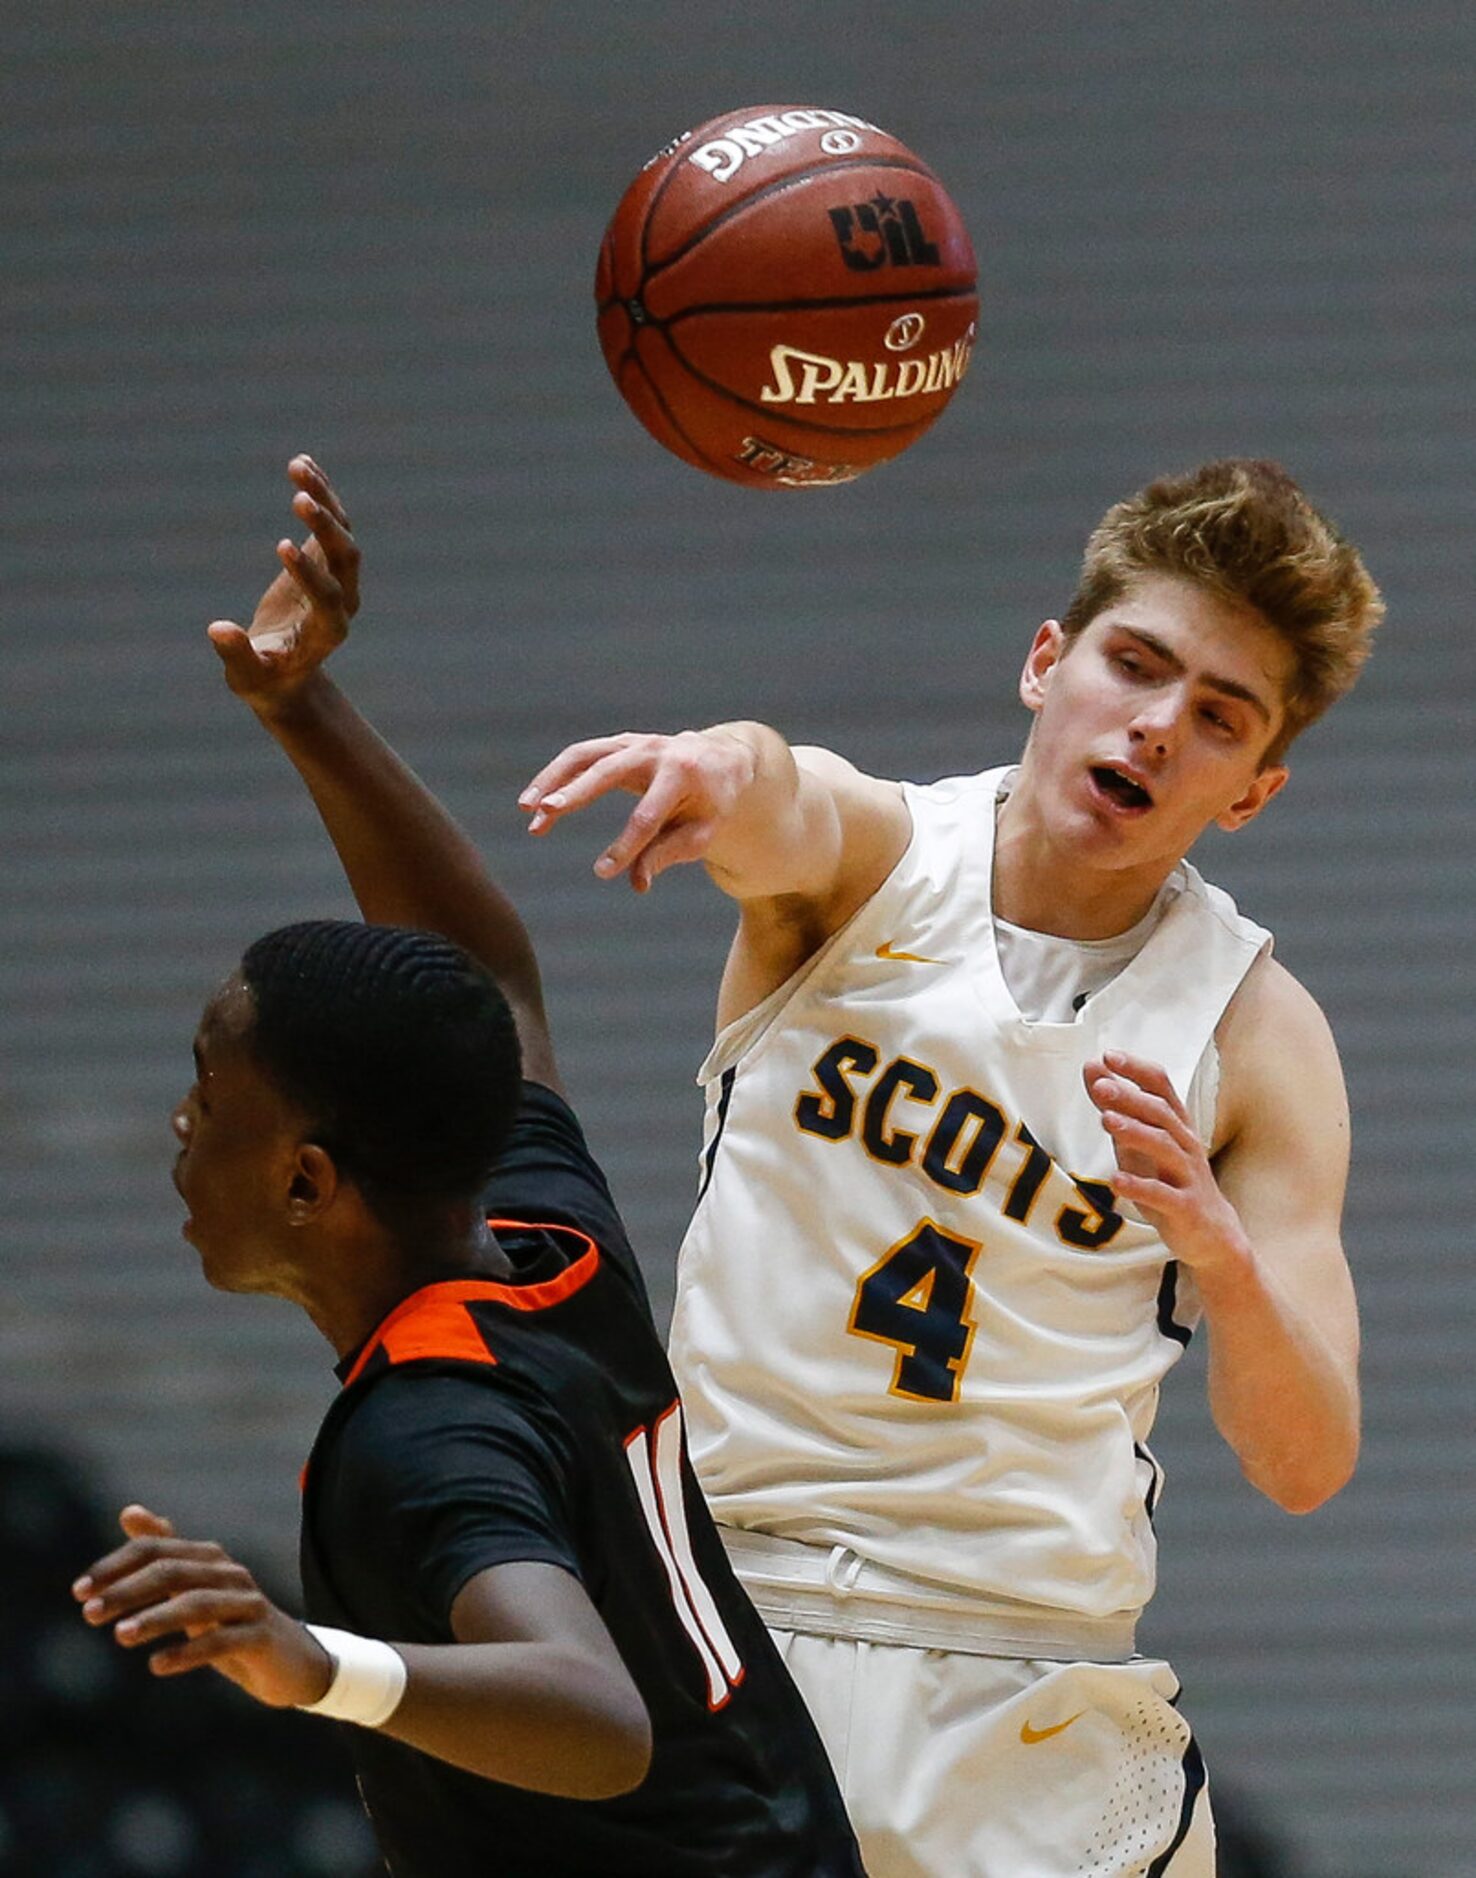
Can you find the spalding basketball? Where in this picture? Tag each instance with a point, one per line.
(786, 296)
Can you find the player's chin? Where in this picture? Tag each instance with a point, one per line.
(215, 1267)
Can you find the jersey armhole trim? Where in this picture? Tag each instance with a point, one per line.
(709, 1159)
(1167, 1298)
(742, 1039)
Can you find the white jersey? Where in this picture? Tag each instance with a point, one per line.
(910, 1321)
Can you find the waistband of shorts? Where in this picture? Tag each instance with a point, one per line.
(828, 1591)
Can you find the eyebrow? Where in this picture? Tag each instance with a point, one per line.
(1231, 687)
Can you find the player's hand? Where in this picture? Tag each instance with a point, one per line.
(687, 785)
(306, 610)
(209, 1609)
(1163, 1168)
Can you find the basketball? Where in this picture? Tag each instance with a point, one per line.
(787, 296)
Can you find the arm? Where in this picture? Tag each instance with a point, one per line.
(799, 837)
(532, 1693)
(407, 861)
(1260, 1230)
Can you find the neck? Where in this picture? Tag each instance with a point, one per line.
(1045, 887)
(357, 1284)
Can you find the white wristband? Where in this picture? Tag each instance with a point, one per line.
(368, 1678)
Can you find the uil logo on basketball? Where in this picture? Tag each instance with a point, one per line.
(880, 232)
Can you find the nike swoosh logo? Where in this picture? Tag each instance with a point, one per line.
(885, 951)
(1031, 1735)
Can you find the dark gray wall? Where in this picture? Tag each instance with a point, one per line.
(370, 230)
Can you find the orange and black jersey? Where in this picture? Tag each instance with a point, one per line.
(485, 1423)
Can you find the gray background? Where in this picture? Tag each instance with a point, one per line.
(370, 231)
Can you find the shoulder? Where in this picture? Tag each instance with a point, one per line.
(390, 1418)
(887, 823)
(1271, 1011)
(874, 825)
(1277, 1052)
(426, 1431)
(440, 1472)
(547, 1175)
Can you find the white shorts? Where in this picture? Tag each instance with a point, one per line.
(958, 1766)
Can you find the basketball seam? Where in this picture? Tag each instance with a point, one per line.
(656, 194)
(784, 417)
(634, 358)
(824, 306)
(777, 187)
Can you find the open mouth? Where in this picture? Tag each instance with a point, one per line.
(1120, 788)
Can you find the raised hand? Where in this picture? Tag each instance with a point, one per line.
(159, 1586)
(1163, 1167)
(306, 610)
(687, 785)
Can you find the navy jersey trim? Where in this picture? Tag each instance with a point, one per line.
(710, 1159)
(1193, 1787)
(1155, 1480)
(1168, 1292)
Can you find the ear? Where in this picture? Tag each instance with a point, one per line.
(1269, 782)
(1047, 649)
(313, 1185)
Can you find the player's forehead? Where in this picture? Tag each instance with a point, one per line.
(1208, 634)
(225, 1022)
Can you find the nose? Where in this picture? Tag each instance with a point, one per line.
(181, 1122)
(1156, 722)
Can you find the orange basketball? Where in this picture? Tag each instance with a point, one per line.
(786, 296)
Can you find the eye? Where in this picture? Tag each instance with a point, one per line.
(1220, 723)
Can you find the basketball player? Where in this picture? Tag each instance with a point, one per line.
(517, 1592)
(1004, 1098)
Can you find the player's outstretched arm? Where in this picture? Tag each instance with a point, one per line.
(767, 820)
(799, 837)
(1260, 1229)
(407, 861)
(533, 1692)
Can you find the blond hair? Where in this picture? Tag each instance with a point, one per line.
(1243, 530)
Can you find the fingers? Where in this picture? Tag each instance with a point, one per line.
(317, 582)
(1145, 1145)
(338, 552)
(203, 1608)
(688, 842)
(139, 1523)
(1155, 1197)
(1150, 1140)
(674, 820)
(651, 818)
(214, 1644)
(574, 778)
(317, 505)
(233, 643)
(1151, 1077)
(312, 481)
(171, 1560)
(1122, 1086)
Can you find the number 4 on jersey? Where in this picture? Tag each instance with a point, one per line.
(918, 1297)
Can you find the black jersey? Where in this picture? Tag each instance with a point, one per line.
(485, 1423)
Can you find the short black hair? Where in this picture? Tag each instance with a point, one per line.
(398, 1047)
